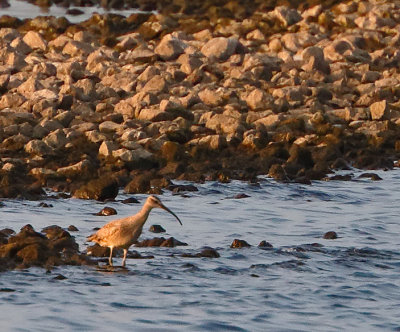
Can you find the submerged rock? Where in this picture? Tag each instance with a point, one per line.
(156, 229)
(106, 211)
(31, 248)
(237, 243)
(160, 242)
(331, 235)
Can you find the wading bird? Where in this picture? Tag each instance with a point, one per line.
(122, 233)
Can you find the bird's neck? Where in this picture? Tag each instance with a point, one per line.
(143, 213)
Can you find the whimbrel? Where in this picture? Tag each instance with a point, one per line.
(122, 233)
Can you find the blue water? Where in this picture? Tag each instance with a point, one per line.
(351, 283)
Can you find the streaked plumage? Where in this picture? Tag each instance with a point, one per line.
(122, 233)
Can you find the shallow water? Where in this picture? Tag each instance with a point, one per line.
(345, 284)
(23, 10)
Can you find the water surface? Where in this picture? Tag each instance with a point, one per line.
(345, 284)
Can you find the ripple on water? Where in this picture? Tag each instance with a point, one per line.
(346, 284)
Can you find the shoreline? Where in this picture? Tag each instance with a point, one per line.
(196, 93)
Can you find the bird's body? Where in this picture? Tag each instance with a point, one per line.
(122, 233)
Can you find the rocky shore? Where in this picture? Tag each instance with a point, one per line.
(200, 90)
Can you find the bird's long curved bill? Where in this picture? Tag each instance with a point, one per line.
(168, 210)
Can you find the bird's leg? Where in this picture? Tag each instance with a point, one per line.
(124, 259)
(110, 258)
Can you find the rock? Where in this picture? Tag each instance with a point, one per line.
(130, 200)
(82, 169)
(99, 189)
(107, 148)
(240, 196)
(99, 251)
(265, 245)
(181, 188)
(239, 244)
(35, 41)
(139, 184)
(221, 48)
(170, 48)
(209, 253)
(287, 16)
(258, 100)
(380, 110)
(372, 176)
(331, 235)
(73, 228)
(211, 97)
(33, 254)
(156, 229)
(160, 242)
(106, 211)
(38, 147)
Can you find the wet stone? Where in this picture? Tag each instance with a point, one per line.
(209, 253)
(177, 188)
(73, 228)
(265, 245)
(107, 211)
(45, 205)
(161, 242)
(130, 200)
(237, 243)
(60, 277)
(372, 176)
(331, 235)
(240, 196)
(156, 229)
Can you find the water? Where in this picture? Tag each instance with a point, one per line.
(342, 285)
(23, 10)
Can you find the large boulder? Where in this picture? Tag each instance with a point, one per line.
(101, 189)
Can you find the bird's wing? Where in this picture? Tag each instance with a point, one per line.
(108, 230)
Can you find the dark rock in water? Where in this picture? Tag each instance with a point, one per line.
(99, 251)
(27, 234)
(338, 177)
(160, 242)
(265, 244)
(29, 247)
(372, 176)
(74, 12)
(133, 254)
(4, 235)
(239, 244)
(107, 211)
(73, 228)
(7, 290)
(177, 188)
(45, 205)
(130, 200)
(7, 231)
(209, 253)
(64, 243)
(240, 196)
(172, 242)
(99, 189)
(277, 172)
(331, 235)
(55, 232)
(60, 277)
(156, 229)
(34, 254)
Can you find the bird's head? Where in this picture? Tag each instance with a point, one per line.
(155, 202)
